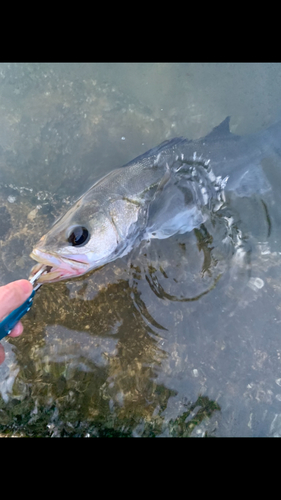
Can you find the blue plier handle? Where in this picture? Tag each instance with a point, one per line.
(13, 318)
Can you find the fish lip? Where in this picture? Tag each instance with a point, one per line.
(57, 261)
(61, 267)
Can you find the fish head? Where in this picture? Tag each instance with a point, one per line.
(85, 238)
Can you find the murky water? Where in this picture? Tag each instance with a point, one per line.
(177, 339)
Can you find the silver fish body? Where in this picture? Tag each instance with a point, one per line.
(170, 189)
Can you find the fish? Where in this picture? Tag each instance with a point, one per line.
(170, 189)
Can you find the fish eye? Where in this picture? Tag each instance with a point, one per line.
(79, 236)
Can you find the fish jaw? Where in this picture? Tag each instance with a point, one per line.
(62, 267)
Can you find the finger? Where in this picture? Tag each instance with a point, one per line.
(13, 295)
(2, 354)
(17, 330)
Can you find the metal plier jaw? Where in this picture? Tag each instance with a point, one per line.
(8, 323)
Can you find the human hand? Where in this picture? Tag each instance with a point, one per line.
(12, 296)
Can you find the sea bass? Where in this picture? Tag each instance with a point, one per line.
(170, 189)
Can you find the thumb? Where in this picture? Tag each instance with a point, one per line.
(13, 295)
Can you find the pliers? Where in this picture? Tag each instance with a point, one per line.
(8, 323)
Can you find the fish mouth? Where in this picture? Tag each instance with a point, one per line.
(61, 267)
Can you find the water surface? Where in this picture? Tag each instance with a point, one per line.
(177, 339)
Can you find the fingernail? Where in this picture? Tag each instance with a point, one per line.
(26, 286)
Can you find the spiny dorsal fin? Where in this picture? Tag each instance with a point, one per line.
(222, 130)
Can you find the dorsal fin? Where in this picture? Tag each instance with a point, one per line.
(168, 144)
(222, 130)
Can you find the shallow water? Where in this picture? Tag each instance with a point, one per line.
(180, 338)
